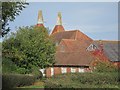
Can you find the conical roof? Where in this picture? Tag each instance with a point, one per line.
(58, 27)
(40, 21)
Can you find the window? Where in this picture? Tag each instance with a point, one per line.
(73, 70)
(81, 70)
(92, 47)
(52, 71)
(63, 70)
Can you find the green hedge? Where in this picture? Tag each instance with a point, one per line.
(8, 66)
(105, 67)
(16, 80)
(36, 72)
(83, 80)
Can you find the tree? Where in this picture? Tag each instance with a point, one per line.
(28, 47)
(9, 12)
(105, 67)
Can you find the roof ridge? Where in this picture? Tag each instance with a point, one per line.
(57, 28)
(64, 31)
(72, 30)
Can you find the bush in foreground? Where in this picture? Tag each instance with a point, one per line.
(83, 80)
(8, 66)
(105, 67)
(16, 80)
(36, 72)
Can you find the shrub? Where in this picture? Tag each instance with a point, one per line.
(83, 80)
(36, 72)
(16, 80)
(21, 70)
(97, 78)
(105, 67)
(104, 76)
(8, 66)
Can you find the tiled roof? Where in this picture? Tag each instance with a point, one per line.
(110, 49)
(57, 37)
(58, 28)
(72, 48)
(73, 58)
(71, 45)
(73, 34)
(40, 25)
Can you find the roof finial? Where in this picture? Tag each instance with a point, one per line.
(59, 19)
(40, 17)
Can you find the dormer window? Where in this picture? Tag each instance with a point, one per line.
(92, 47)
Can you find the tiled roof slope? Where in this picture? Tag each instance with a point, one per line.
(74, 34)
(58, 28)
(71, 49)
(73, 58)
(40, 25)
(111, 49)
(73, 52)
(70, 45)
(57, 37)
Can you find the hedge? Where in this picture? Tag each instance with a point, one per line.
(16, 80)
(83, 80)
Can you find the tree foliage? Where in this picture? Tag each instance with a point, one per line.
(9, 12)
(28, 47)
(105, 67)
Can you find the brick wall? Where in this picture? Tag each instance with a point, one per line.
(48, 72)
(68, 70)
(58, 70)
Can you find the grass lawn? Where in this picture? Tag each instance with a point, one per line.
(33, 86)
(37, 84)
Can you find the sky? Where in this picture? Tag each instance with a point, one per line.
(98, 20)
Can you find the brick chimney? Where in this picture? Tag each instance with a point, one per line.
(58, 27)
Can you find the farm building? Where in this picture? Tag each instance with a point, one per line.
(75, 51)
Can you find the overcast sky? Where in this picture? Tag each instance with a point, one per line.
(97, 20)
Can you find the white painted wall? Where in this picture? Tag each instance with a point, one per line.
(73, 70)
(63, 70)
(43, 71)
(52, 71)
(81, 70)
